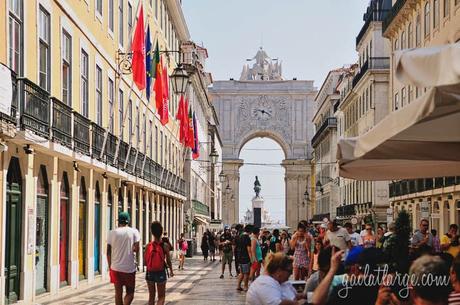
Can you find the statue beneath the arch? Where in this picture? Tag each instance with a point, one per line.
(257, 187)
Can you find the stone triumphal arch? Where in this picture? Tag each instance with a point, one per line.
(262, 104)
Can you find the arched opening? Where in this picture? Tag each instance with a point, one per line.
(144, 220)
(13, 245)
(64, 231)
(435, 218)
(120, 201)
(130, 206)
(41, 236)
(82, 215)
(262, 158)
(97, 230)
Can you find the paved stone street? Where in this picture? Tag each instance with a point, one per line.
(198, 284)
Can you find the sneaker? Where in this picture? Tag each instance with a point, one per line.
(221, 276)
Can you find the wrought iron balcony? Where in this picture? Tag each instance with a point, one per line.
(61, 123)
(200, 208)
(373, 63)
(122, 154)
(327, 124)
(81, 133)
(35, 108)
(372, 15)
(408, 187)
(110, 148)
(97, 141)
(392, 14)
(130, 165)
(139, 163)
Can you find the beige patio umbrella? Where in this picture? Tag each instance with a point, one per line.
(421, 139)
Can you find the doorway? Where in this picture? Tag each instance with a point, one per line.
(82, 230)
(97, 230)
(41, 240)
(13, 231)
(64, 232)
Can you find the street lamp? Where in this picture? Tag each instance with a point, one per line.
(214, 156)
(222, 177)
(179, 80)
(306, 196)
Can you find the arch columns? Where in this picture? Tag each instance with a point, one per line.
(231, 169)
(296, 178)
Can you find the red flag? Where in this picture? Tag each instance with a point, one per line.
(164, 117)
(138, 50)
(190, 138)
(186, 123)
(180, 117)
(196, 147)
(158, 86)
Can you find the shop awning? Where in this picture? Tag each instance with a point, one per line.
(201, 219)
(423, 138)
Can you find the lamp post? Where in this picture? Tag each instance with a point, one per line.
(213, 156)
(179, 80)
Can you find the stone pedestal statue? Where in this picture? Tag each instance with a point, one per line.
(257, 204)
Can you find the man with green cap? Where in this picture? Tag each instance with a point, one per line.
(122, 243)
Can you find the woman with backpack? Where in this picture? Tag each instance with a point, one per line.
(157, 259)
(183, 247)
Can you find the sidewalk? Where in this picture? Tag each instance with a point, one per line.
(198, 284)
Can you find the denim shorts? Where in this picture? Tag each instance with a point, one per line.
(156, 276)
(244, 268)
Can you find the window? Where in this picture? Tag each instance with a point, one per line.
(84, 83)
(410, 32)
(403, 97)
(156, 9)
(120, 113)
(44, 48)
(435, 13)
(446, 8)
(110, 92)
(417, 92)
(130, 24)
(403, 40)
(120, 23)
(144, 133)
(156, 144)
(98, 95)
(15, 59)
(111, 17)
(427, 19)
(396, 102)
(409, 95)
(130, 120)
(161, 15)
(66, 68)
(150, 139)
(418, 31)
(396, 44)
(138, 135)
(99, 7)
(161, 148)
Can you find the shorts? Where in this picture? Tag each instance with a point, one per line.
(122, 278)
(255, 266)
(244, 268)
(227, 258)
(156, 276)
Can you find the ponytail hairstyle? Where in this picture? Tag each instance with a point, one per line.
(276, 261)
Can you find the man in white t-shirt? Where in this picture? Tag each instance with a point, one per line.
(122, 243)
(355, 238)
(337, 237)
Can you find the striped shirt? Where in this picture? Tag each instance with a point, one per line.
(454, 298)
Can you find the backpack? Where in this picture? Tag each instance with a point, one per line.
(155, 257)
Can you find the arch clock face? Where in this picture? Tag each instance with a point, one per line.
(262, 111)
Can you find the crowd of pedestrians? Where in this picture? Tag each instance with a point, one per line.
(337, 264)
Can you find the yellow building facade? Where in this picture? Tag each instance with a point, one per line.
(79, 144)
(417, 24)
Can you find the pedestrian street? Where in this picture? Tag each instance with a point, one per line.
(198, 284)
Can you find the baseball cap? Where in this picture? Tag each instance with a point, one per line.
(123, 217)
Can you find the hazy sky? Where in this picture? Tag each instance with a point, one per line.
(310, 37)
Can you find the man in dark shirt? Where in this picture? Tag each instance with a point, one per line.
(226, 241)
(243, 246)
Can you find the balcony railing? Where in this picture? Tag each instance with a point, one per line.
(52, 119)
(81, 133)
(328, 123)
(392, 14)
(371, 16)
(62, 123)
(373, 63)
(200, 208)
(97, 140)
(407, 187)
(35, 108)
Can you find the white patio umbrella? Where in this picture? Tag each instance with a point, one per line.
(421, 139)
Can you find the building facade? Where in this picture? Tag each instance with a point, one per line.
(324, 144)
(261, 104)
(363, 104)
(81, 144)
(417, 24)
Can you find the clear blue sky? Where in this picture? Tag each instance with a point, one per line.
(310, 37)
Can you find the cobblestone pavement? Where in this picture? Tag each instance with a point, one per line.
(198, 284)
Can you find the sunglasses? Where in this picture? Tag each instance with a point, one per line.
(368, 228)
